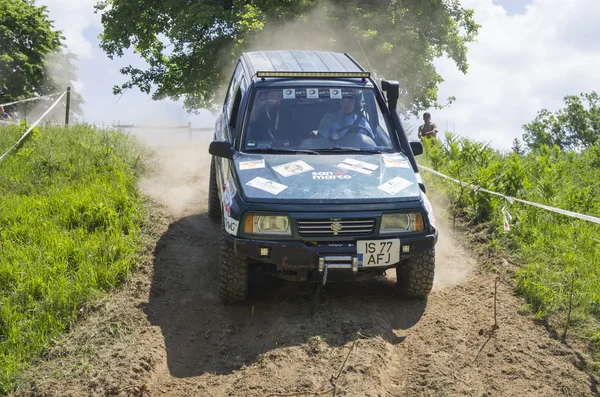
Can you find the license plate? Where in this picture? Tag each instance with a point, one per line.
(378, 252)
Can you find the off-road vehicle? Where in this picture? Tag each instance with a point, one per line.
(313, 177)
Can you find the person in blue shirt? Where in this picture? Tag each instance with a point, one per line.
(335, 125)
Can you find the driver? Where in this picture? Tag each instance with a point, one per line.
(335, 125)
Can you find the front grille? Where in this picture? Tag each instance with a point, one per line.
(343, 227)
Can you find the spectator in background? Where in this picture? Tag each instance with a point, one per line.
(4, 115)
(428, 129)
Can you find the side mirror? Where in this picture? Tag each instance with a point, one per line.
(221, 149)
(392, 90)
(416, 147)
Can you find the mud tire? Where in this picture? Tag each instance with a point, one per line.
(415, 275)
(214, 205)
(233, 274)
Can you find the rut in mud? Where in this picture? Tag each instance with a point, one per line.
(174, 337)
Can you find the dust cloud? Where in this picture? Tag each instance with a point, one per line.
(453, 263)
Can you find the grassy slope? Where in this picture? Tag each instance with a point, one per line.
(70, 215)
(552, 250)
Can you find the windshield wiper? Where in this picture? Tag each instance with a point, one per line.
(348, 149)
(280, 150)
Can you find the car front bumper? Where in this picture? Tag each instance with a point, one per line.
(300, 257)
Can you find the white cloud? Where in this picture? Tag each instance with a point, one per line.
(73, 17)
(519, 65)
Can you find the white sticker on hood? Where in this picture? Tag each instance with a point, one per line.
(395, 185)
(252, 164)
(266, 185)
(358, 166)
(395, 162)
(293, 168)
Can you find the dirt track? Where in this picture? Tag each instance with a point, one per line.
(166, 333)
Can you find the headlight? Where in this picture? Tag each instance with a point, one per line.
(401, 223)
(267, 224)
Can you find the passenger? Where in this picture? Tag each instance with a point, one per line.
(269, 121)
(335, 125)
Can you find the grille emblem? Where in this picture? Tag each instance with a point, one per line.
(336, 227)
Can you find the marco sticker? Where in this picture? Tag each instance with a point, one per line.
(267, 185)
(252, 164)
(395, 185)
(358, 166)
(335, 93)
(331, 175)
(293, 168)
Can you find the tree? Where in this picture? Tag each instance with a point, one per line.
(190, 47)
(26, 37)
(517, 147)
(575, 126)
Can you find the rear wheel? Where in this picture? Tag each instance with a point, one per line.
(415, 275)
(214, 206)
(233, 285)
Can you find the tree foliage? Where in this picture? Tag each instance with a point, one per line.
(190, 46)
(33, 60)
(575, 126)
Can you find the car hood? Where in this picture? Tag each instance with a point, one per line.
(324, 177)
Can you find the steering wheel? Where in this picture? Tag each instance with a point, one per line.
(352, 129)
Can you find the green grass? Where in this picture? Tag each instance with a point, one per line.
(552, 250)
(70, 216)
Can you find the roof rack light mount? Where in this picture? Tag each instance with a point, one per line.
(363, 75)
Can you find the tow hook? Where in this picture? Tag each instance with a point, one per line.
(337, 262)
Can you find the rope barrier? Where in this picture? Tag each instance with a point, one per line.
(31, 99)
(32, 126)
(511, 199)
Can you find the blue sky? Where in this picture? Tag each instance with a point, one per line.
(528, 56)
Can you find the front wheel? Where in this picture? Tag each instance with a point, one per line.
(233, 285)
(415, 275)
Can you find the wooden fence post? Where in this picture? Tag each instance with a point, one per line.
(68, 106)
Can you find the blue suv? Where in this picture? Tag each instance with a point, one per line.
(314, 179)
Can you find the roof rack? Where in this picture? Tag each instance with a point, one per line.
(364, 75)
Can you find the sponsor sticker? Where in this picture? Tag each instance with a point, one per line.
(312, 93)
(289, 93)
(293, 168)
(229, 194)
(429, 208)
(231, 225)
(329, 175)
(267, 185)
(395, 162)
(395, 185)
(335, 93)
(252, 164)
(358, 166)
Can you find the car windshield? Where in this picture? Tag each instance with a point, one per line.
(316, 119)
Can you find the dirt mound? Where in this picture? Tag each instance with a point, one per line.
(166, 333)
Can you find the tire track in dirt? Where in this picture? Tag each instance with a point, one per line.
(293, 337)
